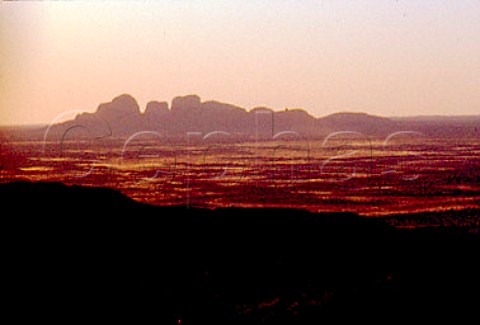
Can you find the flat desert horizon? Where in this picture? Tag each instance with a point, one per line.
(211, 154)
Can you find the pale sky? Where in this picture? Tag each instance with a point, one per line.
(382, 57)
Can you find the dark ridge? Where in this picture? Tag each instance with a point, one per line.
(86, 253)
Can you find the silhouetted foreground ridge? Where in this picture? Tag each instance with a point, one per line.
(93, 254)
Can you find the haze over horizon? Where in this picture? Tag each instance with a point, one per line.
(389, 58)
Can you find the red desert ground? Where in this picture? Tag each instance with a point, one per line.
(212, 154)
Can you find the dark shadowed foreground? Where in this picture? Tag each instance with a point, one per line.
(91, 254)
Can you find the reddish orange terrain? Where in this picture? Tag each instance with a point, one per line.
(412, 179)
(221, 228)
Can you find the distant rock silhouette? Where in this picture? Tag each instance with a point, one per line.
(155, 108)
(156, 113)
(122, 117)
(121, 114)
(120, 107)
(357, 122)
(186, 104)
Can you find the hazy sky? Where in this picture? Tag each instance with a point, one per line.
(378, 56)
